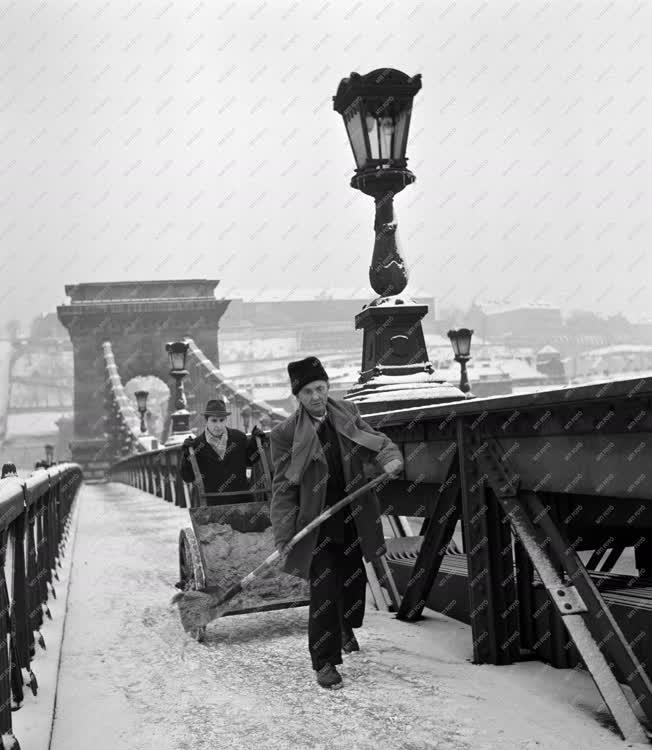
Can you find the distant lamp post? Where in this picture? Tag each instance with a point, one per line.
(49, 454)
(141, 401)
(376, 109)
(246, 417)
(461, 343)
(180, 419)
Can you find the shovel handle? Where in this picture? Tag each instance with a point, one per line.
(238, 587)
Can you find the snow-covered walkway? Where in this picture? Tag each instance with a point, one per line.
(130, 678)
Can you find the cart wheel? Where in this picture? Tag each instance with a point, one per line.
(191, 570)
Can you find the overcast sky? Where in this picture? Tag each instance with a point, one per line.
(169, 139)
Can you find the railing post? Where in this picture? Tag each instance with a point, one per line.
(180, 491)
(160, 488)
(20, 590)
(141, 474)
(5, 669)
(167, 484)
(34, 611)
(41, 551)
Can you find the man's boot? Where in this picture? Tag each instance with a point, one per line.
(329, 677)
(349, 641)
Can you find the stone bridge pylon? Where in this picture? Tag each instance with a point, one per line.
(137, 318)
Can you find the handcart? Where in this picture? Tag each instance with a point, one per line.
(225, 542)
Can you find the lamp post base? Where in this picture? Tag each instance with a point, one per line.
(396, 372)
(179, 428)
(389, 392)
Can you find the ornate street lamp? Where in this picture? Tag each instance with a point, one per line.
(377, 109)
(461, 343)
(49, 454)
(180, 419)
(141, 401)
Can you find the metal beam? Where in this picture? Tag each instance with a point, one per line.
(435, 543)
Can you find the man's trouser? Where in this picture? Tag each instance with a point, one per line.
(337, 595)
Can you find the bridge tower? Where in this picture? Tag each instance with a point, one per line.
(138, 318)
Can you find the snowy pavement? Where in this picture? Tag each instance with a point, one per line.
(130, 678)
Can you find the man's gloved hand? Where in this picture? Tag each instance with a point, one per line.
(258, 433)
(392, 468)
(188, 441)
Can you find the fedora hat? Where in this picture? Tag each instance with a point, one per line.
(216, 407)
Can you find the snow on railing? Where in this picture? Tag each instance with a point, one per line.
(35, 521)
(239, 399)
(126, 413)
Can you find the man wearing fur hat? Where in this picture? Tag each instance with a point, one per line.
(223, 455)
(321, 453)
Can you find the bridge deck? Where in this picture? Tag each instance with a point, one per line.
(130, 678)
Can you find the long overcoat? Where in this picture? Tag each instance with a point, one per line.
(301, 475)
(228, 474)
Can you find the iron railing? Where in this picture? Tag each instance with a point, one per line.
(156, 472)
(35, 519)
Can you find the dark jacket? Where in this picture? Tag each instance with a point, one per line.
(300, 479)
(222, 475)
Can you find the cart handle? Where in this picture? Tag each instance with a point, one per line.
(199, 480)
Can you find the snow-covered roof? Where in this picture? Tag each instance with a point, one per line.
(34, 423)
(502, 306)
(281, 294)
(611, 377)
(517, 369)
(547, 349)
(618, 349)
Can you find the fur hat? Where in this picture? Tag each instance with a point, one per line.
(304, 371)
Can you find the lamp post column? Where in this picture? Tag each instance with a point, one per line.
(460, 339)
(464, 377)
(376, 109)
(180, 418)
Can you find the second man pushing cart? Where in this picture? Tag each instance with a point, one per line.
(223, 455)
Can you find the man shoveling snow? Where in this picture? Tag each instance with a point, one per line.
(321, 453)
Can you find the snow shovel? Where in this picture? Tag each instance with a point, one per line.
(198, 608)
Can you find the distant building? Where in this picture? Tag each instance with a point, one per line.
(296, 323)
(533, 324)
(548, 361)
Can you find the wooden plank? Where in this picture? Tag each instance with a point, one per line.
(381, 602)
(612, 558)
